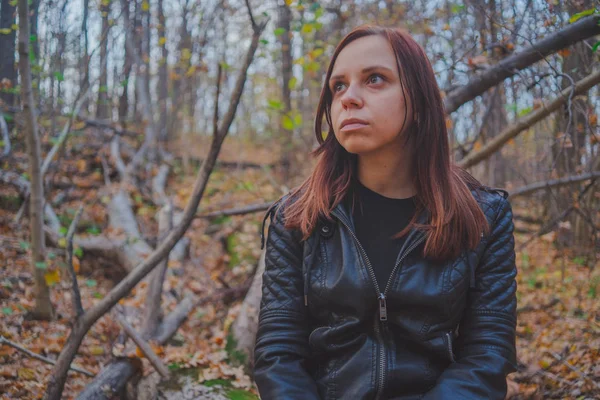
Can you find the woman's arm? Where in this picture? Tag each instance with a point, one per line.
(486, 350)
(282, 346)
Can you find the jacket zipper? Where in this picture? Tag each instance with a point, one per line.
(382, 300)
(449, 337)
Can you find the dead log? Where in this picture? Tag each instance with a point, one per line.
(245, 326)
(153, 311)
(113, 379)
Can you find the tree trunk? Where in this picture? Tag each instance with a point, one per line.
(124, 98)
(84, 72)
(102, 106)
(7, 49)
(43, 306)
(286, 135)
(163, 82)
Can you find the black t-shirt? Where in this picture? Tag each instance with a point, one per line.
(375, 223)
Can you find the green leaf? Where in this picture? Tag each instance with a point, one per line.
(7, 117)
(98, 295)
(59, 77)
(275, 104)
(5, 31)
(292, 83)
(524, 111)
(90, 282)
(582, 14)
(7, 311)
(63, 230)
(288, 123)
(24, 245)
(307, 28)
(456, 8)
(41, 265)
(13, 2)
(51, 255)
(33, 38)
(78, 252)
(279, 31)
(94, 230)
(298, 119)
(264, 41)
(595, 46)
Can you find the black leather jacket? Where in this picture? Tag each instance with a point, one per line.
(436, 331)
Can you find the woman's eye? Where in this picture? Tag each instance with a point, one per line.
(375, 78)
(337, 86)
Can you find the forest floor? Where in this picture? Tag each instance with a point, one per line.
(559, 315)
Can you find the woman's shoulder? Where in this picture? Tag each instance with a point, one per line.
(490, 199)
(276, 211)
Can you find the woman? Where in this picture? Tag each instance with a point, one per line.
(390, 272)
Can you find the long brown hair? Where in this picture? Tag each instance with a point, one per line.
(443, 188)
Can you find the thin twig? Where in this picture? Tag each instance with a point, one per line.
(5, 137)
(237, 210)
(156, 362)
(572, 368)
(31, 354)
(76, 294)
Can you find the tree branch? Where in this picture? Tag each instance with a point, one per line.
(527, 121)
(480, 83)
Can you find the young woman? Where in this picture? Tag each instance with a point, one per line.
(390, 272)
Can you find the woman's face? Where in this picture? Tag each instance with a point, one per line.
(365, 86)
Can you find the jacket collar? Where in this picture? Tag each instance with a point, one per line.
(342, 212)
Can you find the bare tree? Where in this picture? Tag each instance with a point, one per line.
(8, 73)
(103, 106)
(43, 307)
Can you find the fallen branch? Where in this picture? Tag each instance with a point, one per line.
(583, 29)
(145, 348)
(527, 121)
(87, 121)
(237, 211)
(548, 227)
(77, 306)
(569, 180)
(87, 320)
(31, 354)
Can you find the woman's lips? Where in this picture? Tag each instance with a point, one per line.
(353, 126)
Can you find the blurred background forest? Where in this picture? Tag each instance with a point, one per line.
(142, 141)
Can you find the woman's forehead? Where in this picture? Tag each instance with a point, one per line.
(363, 53)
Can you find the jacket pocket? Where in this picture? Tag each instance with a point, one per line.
(448, 339)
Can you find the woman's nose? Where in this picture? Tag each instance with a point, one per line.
(351, 97)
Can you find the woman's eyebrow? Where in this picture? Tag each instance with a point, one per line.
(364, 71)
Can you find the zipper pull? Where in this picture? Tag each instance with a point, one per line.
(382, 308)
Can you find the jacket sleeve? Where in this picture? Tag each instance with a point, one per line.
(485, 347)
(281, 347)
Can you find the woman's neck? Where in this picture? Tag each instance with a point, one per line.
(388, 176)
